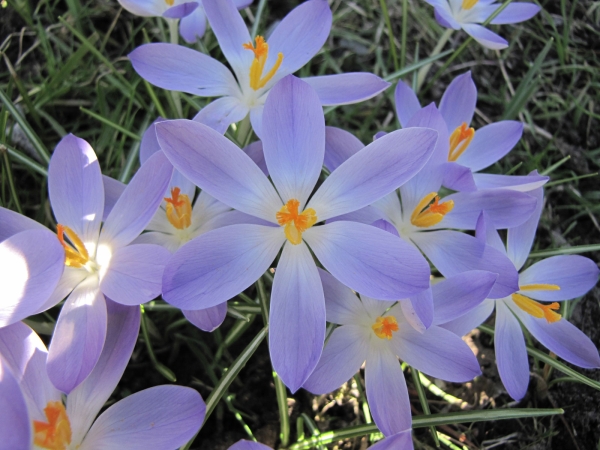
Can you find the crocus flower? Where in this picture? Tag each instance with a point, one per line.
(550, 280)
(374, 332)
(468, 14)
(221, 263)
(193, 19)
(98, 262)
(34, 417)
(469, 151)
(420, 216)
(257, 65)
(179, 219)
(398, 441)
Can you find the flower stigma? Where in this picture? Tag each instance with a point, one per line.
(295, 224)
(537, 309)
(179, 209)
(428, 214)
(460, 139)
(261, 53)
(55, 434)
(384, 327)
(468, 4)
(74, 257)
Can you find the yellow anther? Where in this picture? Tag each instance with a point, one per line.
(537, 309)
(179, 209)
(384, 327)
(170, 2)
(261, 53)
(428, 214)
(74, 257)
(468, 4)
(56, 433)
(539, 287)
(295, 224)
(460, 139)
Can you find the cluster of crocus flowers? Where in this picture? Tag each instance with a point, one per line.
(203, 219)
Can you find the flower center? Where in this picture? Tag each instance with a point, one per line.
(384, 327)
(170, 2)
(427, 214)
(468, 4)
(537, 309)
(74, 257)
(295, 224)
(179, 209)
(460, 139)
(261, 52)
(56, 433)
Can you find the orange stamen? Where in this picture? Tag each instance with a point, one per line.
(74, 257)
(385, 326)
(460, 139)
(537, 309)
(56, 433)
(295, 224)
(170, 2)
(427, 214)
(261, 52)
(179, 209)
(539, 287)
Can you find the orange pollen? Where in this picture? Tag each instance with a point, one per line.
(179, 209)
(56, 433)
(74, 257)
(384, 327)
(170, 2)
(427, 214)
(459, 141)
(537, 309)
(295, 224)
(468, 4)
(261, 53)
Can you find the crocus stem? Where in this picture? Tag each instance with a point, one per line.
(423, 71)
(174, 36)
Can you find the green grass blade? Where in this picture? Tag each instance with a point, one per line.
(575, 250)
(31, 135)
(528, 85)
(428, 421)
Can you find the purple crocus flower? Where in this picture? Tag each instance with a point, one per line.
(193, 18)
(33, 415)
(99, 263)
(469, 151)
(420, 216)
(221, 263)
(550, 280)
(398, 441)
(257, 65)
(371, 331)
(468, 14)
